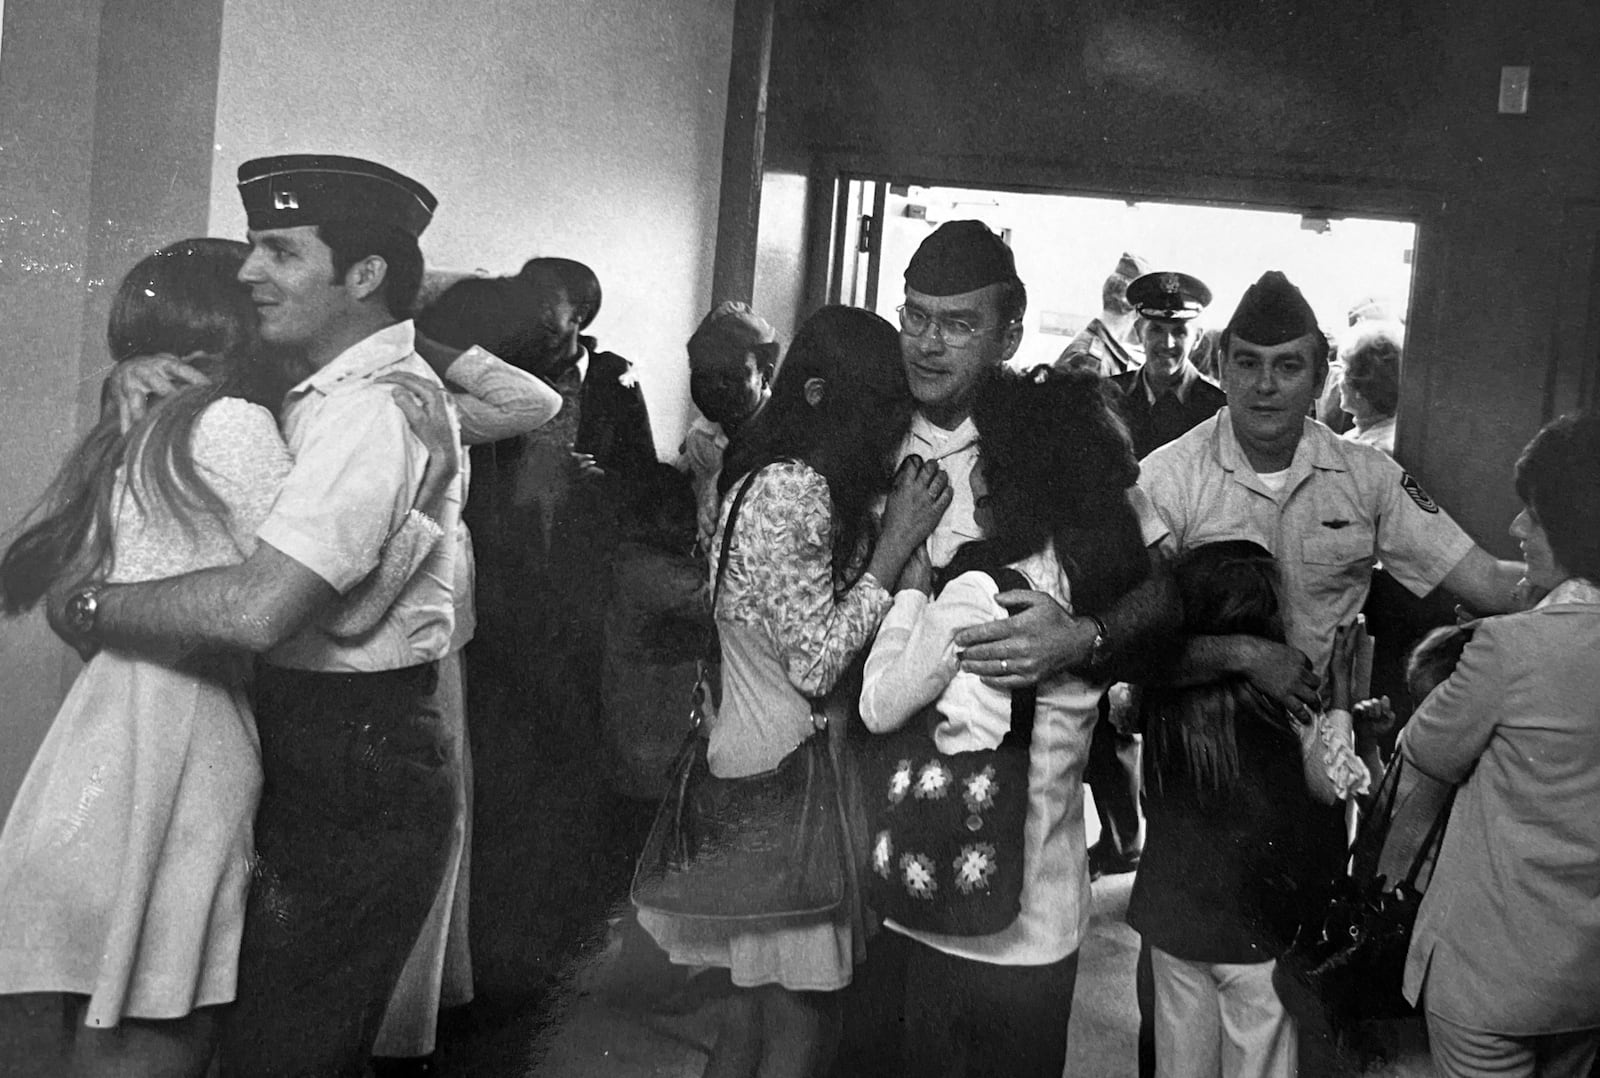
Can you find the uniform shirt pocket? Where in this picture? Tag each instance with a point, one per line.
(1335, 560)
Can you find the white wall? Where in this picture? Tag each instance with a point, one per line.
(590, 130)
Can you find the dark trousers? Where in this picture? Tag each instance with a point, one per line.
(351, 840)
(1112, 770)
(916, 1011)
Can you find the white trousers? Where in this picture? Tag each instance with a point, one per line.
(1221, 1020)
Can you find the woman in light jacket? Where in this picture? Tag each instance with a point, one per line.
(1505, 958)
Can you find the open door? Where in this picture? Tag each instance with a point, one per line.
(1066, 245)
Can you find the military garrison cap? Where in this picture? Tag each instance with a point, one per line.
(1131, 266)
(1168, 296)
(1271, 312)
(313, 189)
(958, 257)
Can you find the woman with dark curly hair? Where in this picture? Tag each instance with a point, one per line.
(803, 589)
(1505, 958)
(1050, 490)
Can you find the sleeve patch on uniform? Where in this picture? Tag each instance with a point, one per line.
(1418, 495)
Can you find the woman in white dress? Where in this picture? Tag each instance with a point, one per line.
(126, 858)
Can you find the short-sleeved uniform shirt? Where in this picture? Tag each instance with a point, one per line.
(1342, 508)
(957, 451)
(357, 468)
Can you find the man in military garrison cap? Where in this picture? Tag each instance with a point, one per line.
(961, 320)
(1327, 509)
(1105, 345)
(356, 808)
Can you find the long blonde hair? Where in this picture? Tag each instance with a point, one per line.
(184, 300)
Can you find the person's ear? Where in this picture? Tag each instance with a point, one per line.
(366, 276)
(1010, 340)
(816, 390)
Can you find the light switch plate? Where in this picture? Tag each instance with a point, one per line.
(1514, 89)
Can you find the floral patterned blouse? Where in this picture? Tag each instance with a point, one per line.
(787, 633)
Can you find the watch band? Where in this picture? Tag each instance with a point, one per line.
(1102, 641)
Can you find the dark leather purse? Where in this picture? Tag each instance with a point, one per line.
(1347, 961)
(947, 830)
(764, 848)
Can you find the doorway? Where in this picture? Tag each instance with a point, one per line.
(1066, 245)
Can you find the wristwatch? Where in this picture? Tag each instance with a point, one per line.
(1101, 647)
(83, 610)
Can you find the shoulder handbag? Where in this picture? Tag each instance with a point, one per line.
(947, 829)
(1347, 960)
(760, 848)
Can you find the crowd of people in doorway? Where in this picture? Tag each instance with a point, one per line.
(245, 843)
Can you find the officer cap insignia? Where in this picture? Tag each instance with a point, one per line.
(1168, 296)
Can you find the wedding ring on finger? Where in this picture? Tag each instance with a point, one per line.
(1005, 665)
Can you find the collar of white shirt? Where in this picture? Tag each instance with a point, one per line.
(362, 360)
(1318, 450)
(929, 439)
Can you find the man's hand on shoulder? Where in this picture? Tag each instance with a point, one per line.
(1038, 639)
(428, 415)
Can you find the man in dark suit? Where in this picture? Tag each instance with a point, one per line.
(1159, 401)
(611, 427)
(1167, 396)
(543, 511)
(544, 504)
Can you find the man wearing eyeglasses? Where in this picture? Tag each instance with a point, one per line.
(962, 318)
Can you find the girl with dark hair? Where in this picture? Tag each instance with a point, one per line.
(1050, 490)
(801, 594)
(1505, 956)
(1243, 837)
(125, 861)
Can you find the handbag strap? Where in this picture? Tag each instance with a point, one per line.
(1430, 841)
(817, 702)
(727, 535)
